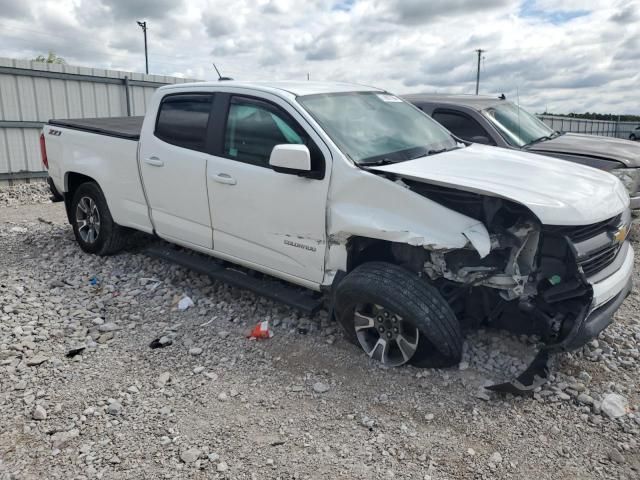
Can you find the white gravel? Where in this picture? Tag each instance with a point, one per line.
(24, 193)
(212, 404)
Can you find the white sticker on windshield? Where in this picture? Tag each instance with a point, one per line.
(385, 97)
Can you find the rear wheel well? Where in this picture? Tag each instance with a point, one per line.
(72, 181)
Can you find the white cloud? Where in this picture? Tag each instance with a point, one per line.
(566, 56)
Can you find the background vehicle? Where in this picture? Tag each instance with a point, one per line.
(635, 134)
(499, 122)
(351, 192)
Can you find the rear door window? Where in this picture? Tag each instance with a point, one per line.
(183, 119)
(461, 125)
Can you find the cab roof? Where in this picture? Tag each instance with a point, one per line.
(476, 102)
(299, 88)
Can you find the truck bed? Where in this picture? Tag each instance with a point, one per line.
(121, 127)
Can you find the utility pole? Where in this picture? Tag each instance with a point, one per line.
(143, 25)
(480, 52)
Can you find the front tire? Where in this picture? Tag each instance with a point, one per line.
(397, 317)
(632, 137)
(93, 226)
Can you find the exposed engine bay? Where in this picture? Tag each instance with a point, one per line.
(530, 282)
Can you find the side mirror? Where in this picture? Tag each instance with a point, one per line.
(290, 158)
(480, 139)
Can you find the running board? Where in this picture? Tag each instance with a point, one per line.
(296, 297)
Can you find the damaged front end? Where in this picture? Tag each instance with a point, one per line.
(530, 280)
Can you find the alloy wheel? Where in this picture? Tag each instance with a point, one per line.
(88, 219)
(385, 335)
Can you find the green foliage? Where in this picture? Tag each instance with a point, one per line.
(50, 58)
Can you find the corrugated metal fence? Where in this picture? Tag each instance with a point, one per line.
(31, 93)
(592, 127)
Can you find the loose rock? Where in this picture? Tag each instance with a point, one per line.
(39, 413)
(320, 387)
(614, 405)
(190, 455)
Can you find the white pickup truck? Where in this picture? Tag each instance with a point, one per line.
(349, 191)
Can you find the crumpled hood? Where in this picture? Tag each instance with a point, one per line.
(608, 148)
(556, 191)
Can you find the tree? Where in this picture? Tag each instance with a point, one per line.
(51, 58)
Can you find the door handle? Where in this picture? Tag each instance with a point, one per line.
(225, 178)
(154, 162)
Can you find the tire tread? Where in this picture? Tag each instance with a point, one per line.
(406, 294)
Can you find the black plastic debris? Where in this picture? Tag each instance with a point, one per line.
(528, 381)
(161, 342)
(75, 351)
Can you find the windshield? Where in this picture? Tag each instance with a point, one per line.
(517, 126)
(375, 128)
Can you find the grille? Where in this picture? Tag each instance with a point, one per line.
(583, 232)
(600, 259)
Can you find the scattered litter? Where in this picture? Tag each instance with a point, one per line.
(278, 443)
(185, 303)
(94, 281)
(261, 331)
(207, 323)
(40, 219)
(18, 230)
(75, 351)
(161, 342)
(303, 330)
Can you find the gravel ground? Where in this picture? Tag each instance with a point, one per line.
(304, 404)
(25, 193)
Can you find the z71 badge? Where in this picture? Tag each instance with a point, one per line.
(55, 133)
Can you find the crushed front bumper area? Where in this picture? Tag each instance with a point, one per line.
(608, 294)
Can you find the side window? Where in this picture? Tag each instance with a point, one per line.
(182, 120)
(461, 125)
(255, 127)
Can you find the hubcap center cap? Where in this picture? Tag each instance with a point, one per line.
(387, 324)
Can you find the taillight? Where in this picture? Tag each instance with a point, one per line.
(43, 152)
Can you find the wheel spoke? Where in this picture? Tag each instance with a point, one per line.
(82, 224)
(82, 206)
(380, 351)
(362, 321)
(407, 349)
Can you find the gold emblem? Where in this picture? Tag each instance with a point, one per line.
(621, 234)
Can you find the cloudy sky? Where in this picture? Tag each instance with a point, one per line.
(563, 55)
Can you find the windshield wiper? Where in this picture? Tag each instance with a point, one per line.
(402, 156)
(435, 152)
(377, 163)
(544, 138)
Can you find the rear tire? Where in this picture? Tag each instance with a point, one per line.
(93, 226)
(376, 289)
